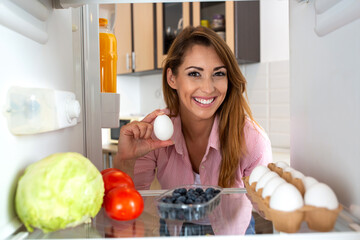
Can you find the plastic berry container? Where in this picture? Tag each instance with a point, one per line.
(171, 204)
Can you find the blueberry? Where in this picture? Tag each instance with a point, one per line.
(216, 192)
(198, 200)
(182, 191)
(173, 199)
(189, 201)
(180, 199)
(199, 190)
(192, 196)
(191, 190)
(210, 190)
(208, 196)
(167, 199)
(176, 194)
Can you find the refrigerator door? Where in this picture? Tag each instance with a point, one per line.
(324, 94)
(49, 48)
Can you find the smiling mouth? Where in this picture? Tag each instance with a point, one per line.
(204, 101)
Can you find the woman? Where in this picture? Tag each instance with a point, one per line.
(216, 140)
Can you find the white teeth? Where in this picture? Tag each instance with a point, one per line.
(204, 101)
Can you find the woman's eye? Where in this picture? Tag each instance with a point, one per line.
(194, 74)
(220, 74)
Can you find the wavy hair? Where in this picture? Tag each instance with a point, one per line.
(232, 112)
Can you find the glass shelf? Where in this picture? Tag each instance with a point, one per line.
(149, 224)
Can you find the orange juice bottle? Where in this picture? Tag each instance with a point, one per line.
(108, 57)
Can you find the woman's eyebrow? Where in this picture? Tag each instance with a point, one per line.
(217, 68)
(201, 69)
(198, 68)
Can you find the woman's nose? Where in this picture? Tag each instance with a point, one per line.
(208, 85)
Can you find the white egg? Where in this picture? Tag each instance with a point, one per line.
(308, 182)
(264, 179)
(163, 127)
(286, 198)
(271, 185)
(257, 172)
(297, 174)
(281, 164)
(321, 195)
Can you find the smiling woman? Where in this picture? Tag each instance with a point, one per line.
(215, 139)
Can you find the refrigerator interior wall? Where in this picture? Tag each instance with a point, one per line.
(325, 102)
(25, 62)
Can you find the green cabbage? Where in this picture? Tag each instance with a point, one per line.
(59, 191)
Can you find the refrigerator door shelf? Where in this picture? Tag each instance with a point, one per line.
(110, 110)
(37, 110)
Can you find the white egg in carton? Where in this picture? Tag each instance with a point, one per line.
(286, 197)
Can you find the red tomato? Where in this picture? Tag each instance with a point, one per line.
(109, 170)
(113, 179)
(123, 203)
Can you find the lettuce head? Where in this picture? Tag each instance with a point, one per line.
(62, 190)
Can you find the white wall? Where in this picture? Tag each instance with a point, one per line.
(130, 96)
(325, 102)
(268, 92)
(24, 62)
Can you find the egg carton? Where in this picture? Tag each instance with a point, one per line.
(317, 218)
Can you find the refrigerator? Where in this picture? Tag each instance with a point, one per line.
(54, 45)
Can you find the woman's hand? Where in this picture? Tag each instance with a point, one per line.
(135, 138)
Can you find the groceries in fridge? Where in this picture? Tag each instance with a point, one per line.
(291, 198)
(121, 201)
(108, 57)
(188, 202)
(116, 178)
(59, 191)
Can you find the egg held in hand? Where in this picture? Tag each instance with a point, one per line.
(163, 127)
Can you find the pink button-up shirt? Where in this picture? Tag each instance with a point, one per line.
(174, 169)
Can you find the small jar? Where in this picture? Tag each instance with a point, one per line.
(218, 21)
(205, 23)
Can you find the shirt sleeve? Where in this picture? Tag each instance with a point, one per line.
(144, 171)
(260, 152)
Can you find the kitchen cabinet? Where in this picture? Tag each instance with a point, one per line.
(171, 18)
(134, 31)
(242, 25)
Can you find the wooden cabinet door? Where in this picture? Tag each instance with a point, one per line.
(160, 29)
(242, 26)
(122, 30)
(143, 37)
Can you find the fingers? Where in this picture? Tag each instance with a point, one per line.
(161, 144)
(138, 130)
(151, 117)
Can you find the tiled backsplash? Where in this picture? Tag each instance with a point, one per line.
(269, 95)
(268, 92)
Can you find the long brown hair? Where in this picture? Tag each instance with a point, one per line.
(233, 111)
